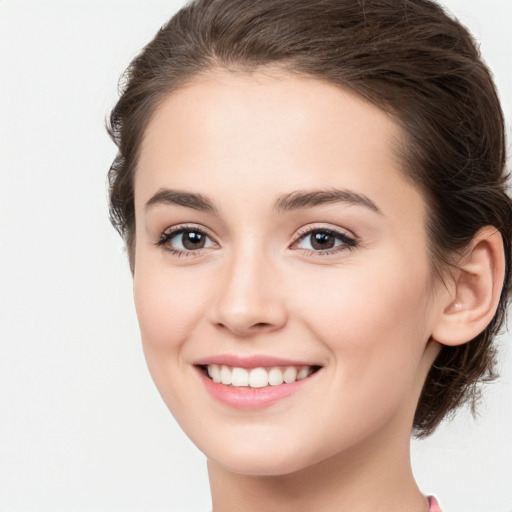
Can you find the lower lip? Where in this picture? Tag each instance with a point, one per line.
(252, 398)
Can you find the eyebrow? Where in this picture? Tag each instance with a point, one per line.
(310, 198)
(296, 200)
(180, 198)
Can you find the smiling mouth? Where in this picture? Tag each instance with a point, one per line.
(259, 377)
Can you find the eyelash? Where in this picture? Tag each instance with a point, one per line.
(169, 234)
(347, 242)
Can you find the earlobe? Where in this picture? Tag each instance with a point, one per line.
(475, 290)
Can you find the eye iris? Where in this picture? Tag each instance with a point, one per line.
(321, 240)
(192, 240)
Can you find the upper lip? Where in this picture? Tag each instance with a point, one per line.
(256, 361)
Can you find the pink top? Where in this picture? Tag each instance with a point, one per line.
(434, 506)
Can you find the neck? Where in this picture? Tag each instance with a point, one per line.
(368, 478)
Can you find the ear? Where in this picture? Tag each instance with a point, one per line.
(473, 295)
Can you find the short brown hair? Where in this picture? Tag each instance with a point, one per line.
(410, 59)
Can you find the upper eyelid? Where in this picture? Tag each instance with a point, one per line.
(305, 230)
(172, 230)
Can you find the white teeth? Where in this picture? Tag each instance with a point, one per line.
(290, 374)
(225, 375)
(275, 377)
(214, 372)
(239, 377)
(303, 373)
(257, 377)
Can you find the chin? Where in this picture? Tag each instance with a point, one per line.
(255, 466)
(260, 458)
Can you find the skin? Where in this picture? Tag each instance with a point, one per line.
(366, 314)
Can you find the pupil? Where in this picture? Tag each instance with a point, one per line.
(192, 240)
(322, 241)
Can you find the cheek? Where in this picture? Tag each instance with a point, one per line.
(370, 298)
(374, 319)
(169, 308)
(375, 325)
(169, 305)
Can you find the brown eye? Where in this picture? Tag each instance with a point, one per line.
(185, 241)
(322, 240)
(325, 241)
(193, 240)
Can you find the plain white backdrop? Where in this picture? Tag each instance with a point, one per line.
(82, 428)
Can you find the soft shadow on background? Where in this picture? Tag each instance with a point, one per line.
(82, 427)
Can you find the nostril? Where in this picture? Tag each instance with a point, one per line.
(248, 329)
(261, 325)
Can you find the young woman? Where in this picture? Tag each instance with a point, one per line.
(312, 193)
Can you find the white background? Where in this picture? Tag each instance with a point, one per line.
(82, 427)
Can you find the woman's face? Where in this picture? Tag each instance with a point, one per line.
(276, 238)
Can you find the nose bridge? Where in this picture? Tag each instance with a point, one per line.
(248, 300)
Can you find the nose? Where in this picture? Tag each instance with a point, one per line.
(249, 299)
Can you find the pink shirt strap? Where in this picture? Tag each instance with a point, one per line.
(434, 505)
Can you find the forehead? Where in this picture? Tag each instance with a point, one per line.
(272, 130)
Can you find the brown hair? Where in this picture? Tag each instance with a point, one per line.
(410, 59)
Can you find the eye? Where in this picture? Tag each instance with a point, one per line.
(183, 241)
(324, 241)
